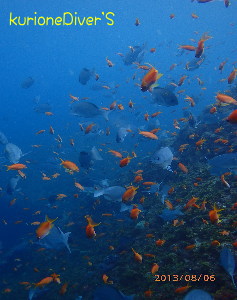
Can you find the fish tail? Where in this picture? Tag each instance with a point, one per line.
(50, 220)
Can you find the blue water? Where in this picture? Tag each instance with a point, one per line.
(54, 56)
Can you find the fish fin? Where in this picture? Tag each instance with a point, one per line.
(98, 193)
(65, 238)
(105, 114)
(159, 75)
(50, 220)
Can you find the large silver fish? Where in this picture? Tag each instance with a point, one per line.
(112, 193)
(12, 184)
(3, 138)
(163, 158)
(135, 54)
(222, 163)
(85, 76)
(121, 134)
(88, 110)
(56, 239)
(13, 153)
(87, 158)
(164, 96)
(28, 82)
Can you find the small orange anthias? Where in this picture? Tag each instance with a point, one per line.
(232, 118)
(149, 79)
(44, 228)
(134, 213)
(69, 166)
(214, 216)
(129, 194)
(90, 231)
(137, 256)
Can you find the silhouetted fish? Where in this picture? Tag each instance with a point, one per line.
(135, 54)
(13, 153)
(198, 295)
(28, 82)
(85, 76)
(195, 63)
(12, 184)
(3, 138)
(227, 261)
(88, 110)
(56, 239)
(162, 157)
(164, 96)
(43, 108)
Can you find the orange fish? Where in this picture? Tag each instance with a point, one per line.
(200, 142)
(69, 165)
(214, 216)
(232, 118)
(190, 247)
(187, 47)
(146, 117)
(129, 194)
(181, 81)
(138, 178)
(160, 242)
(63, 289)
(130, 104)
(90, 232)
(120, 106)
(16, 167)
(149, 79)
(168, 204)
(125, 161)
(194, 16)
(44, 228)
(148, 294)
(225, 99)
(79, 186)
(154, 268)
(116, 153)
(182, 289)
(48, 113)
(155, 114)
(200, 46)
(153, 50)
(213, 110)
(89, 128)
(137, 256)
(232, 76)
(40, 131)
(215, 243)
(183, 168)
(109, 62)
(149, 135)
(44, 282)
(134, 213)
(113, 105)
(51, 130)
(191, 202)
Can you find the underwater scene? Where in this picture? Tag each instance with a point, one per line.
(118, 150)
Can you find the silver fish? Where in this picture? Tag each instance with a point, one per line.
(88, 110)
(13, 153)
(56, 239)
(3, 138)
(164, 96)
(112, 193)
(163, 158)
